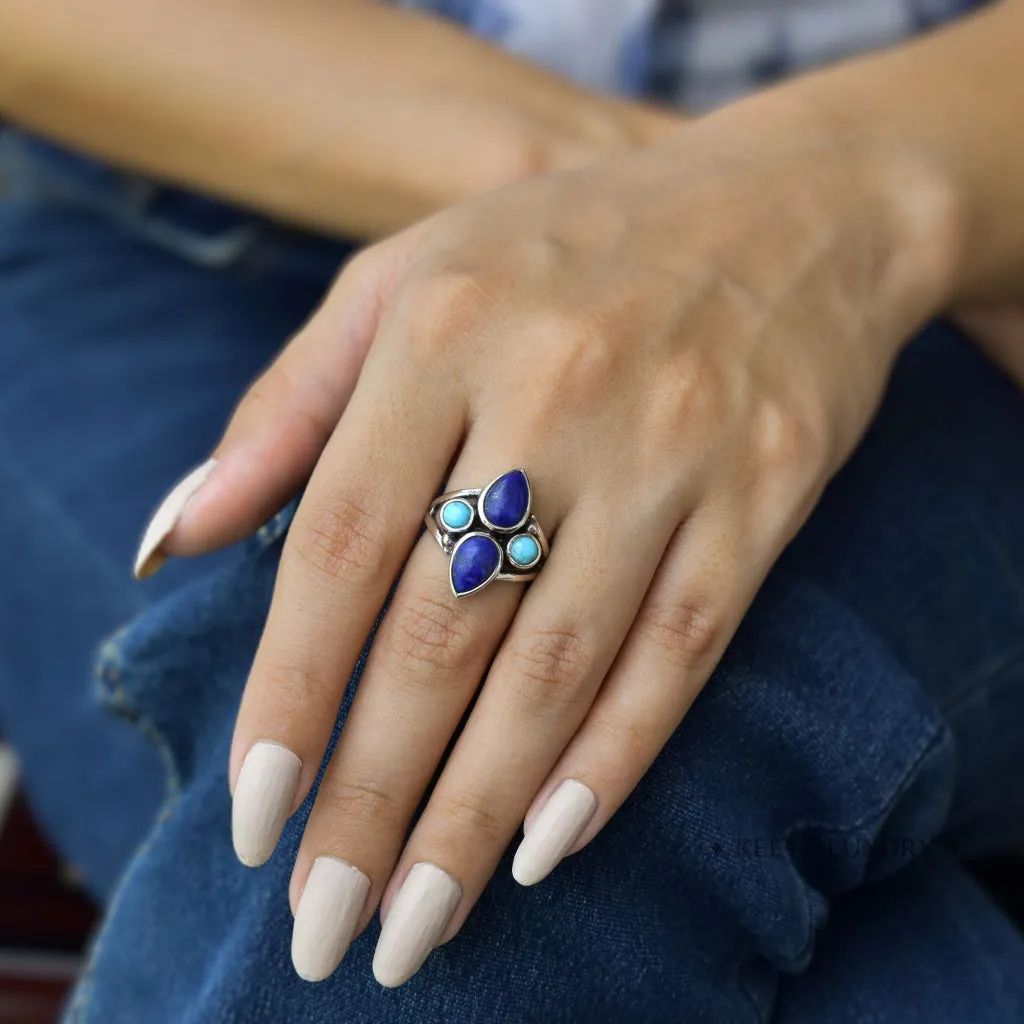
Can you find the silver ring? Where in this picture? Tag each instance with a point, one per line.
(489, 533)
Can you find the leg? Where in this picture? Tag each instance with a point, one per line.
(868, 705)
(118, 367)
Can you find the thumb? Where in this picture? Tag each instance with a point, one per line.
(281, 425)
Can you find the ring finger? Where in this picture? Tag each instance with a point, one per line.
(543, 680)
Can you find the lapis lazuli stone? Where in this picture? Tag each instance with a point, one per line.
(474, 562)
(506, 502)
(523, 550)
(456, 514)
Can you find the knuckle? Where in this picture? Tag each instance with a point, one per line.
(277, 395)
(473, 818)
(297, 691)
(620, 739)
(425, 633)
(687, 632)
(701, 387)
(440, 306)
(341, 539)
(691, 400)
(673, 410)
(579, 361)
(788, 443)
(549, 669)
(361, 801)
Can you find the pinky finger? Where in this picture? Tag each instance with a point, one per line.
(690, 612)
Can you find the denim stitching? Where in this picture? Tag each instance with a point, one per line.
(111, 693)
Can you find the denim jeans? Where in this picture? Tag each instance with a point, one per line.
(794, 855)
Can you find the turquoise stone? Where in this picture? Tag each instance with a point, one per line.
(523, 550)
(506, 502)
(456, 514)
(474, 563)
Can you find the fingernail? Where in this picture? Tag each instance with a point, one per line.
(150, 558)
(264, 794)
(415, 923)
(327, 916)
(553, 831)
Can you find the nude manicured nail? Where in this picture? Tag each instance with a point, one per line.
(418, 916)
(553, 831)
(150, 557)
(264, 794)
(327, 916)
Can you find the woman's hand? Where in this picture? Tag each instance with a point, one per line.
(681, 346)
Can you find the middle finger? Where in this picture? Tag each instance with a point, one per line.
(427, 661)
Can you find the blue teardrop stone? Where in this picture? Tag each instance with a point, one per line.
(507, 500)
(473, 563)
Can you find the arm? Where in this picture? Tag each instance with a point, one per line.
(346, 116)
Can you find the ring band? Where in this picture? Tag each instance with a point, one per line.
(489, 533)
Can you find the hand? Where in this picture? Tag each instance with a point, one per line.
(681, 346)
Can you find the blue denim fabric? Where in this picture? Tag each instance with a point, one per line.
(118, 363)
(924, 946)
(800, 827)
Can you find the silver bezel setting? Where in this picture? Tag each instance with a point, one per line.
(526, 515)
(523, 565)
(449, 539)
(494, 573)
(442, 533)
(456, 529)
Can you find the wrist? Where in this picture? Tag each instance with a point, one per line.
(910, 200)
(948, 102)
(918, 208)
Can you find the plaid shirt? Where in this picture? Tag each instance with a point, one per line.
(696, 54)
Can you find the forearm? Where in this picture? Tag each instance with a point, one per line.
(346, 116)
(954, 102)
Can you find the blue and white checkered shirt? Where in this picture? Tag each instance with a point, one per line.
(696, 54)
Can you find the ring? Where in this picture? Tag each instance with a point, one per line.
(488, 533)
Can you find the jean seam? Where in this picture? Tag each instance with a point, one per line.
(939, 735)
(107, 677)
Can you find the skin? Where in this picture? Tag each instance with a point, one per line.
(341, 115)
(725, 303)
